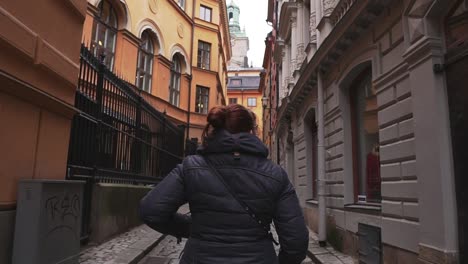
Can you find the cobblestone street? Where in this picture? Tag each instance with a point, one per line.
(169, 252)
(166, 252)
(145, 246)
(107, 252)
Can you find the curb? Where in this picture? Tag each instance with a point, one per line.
(313, 257)
(137, 251)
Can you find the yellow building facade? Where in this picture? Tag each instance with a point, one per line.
(244, 89)
(175, 51)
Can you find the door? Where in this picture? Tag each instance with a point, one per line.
(456, 71)
(457, 85)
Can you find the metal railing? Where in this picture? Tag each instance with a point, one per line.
(117, 137)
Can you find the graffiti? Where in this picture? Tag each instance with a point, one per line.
(63, 212)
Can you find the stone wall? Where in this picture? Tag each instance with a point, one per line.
(114, 209)
(380, 47)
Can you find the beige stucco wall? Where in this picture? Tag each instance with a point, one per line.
(418, 205)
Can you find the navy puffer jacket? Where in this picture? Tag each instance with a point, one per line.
(219, 229)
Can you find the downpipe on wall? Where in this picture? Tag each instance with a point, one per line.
(322, 228)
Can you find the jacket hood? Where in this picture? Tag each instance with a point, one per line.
(225, 142)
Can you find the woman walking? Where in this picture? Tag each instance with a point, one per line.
(234, 193)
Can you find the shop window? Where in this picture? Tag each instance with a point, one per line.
(205, 13)
(105, 33)
(174, 86)
(202, 98)
(251, 101)
(145, 62)
(365, 133)
(203, 58)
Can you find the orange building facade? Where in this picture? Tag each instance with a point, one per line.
(39, 67)
(175, 51)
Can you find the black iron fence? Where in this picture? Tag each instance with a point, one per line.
(117, 137)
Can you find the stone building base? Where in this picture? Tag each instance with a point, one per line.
(311, 216)
(428, 255)
(394, 255)
(7, 228)
(348, 243)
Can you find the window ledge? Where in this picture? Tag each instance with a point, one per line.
(312, 202)
(364, 206)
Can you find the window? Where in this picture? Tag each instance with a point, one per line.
(201, 103)
(365, 132)
(145, 63)
(236, 82)
(314, 143)
(105, 33)
(203, 59)
(181, 3)
(311, 139)
(174, 87)
(205, 13)
(251, 101)
(232, 100)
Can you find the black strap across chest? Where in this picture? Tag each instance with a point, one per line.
(265, 225)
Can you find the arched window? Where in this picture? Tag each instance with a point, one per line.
(145, 62)
(365, 134)
(174, 87)
(105, 33)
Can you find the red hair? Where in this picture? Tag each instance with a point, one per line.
(234, 118)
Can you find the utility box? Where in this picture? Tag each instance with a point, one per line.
(48, 222)
(370, 244)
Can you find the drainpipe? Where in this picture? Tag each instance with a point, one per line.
(191, 73)
(321, 163)
(242, 95)
(276, 112)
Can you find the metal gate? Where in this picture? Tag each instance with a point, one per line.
(457, 85)
(117, 136)
(370, 244)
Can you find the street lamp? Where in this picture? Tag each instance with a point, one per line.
(264, 102)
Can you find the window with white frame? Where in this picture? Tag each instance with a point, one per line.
(174, 86)
(203, 58)
(252, 101)
(205, 13)
(232, 100)
(236, 82)
(105, 33)
(145, 62)
(202, 99)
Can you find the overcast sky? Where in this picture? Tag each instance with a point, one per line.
(253, 14)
